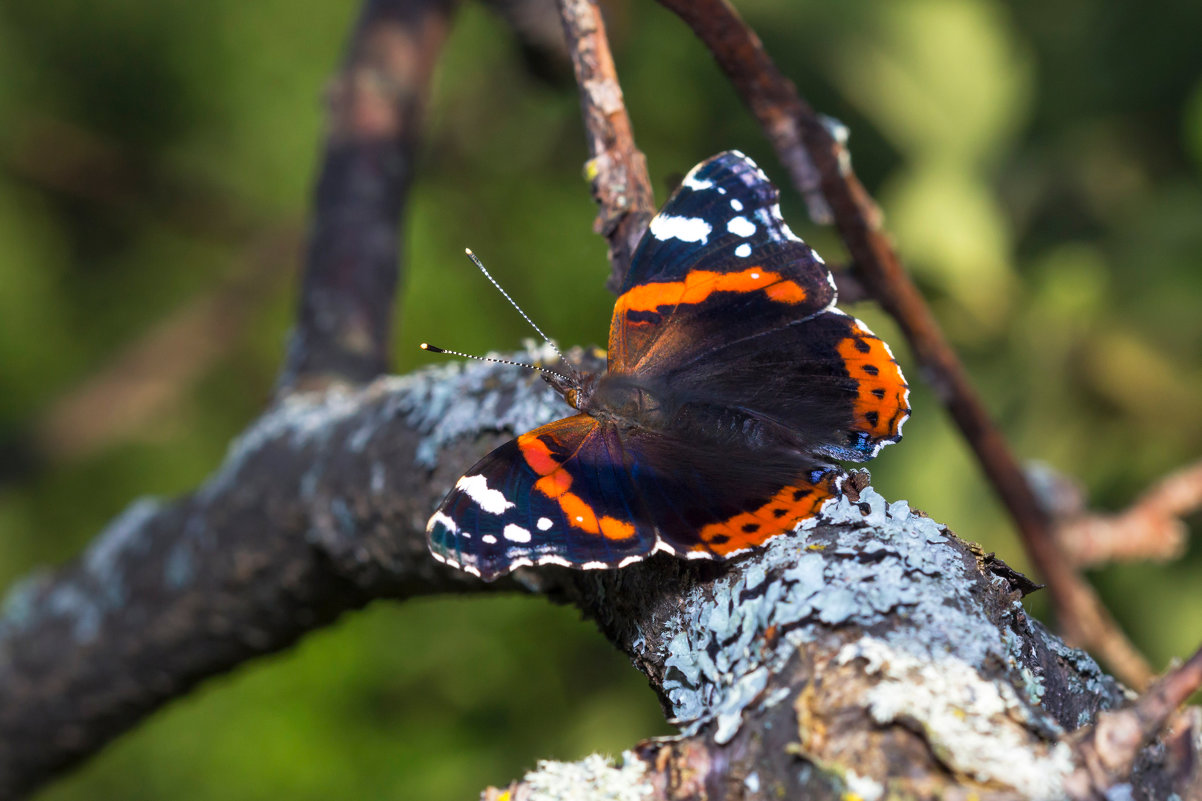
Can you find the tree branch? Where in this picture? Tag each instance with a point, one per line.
(1151, 528)
(616, 168)
(1109, 750)
(873, 652)
(799, 136)
(319, 508)
(375, 108)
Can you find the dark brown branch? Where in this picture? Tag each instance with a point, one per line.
(796, 132)
(375, 109)
(616, 168)
(1151, 528)
(539, 31)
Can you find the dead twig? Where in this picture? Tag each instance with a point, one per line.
(616, 168)
(1107, 751)
(794, 130)
(1151, 528)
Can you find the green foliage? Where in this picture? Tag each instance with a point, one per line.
(1039, 165)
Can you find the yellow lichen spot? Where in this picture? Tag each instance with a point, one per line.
(817, 546)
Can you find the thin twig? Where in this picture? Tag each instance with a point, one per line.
(794, 128)
(1107, 750)
(616, 168)
(1150, 528)
(375, 106)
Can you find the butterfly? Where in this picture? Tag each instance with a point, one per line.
(732, 384)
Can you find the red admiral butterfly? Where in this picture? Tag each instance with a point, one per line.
(732, 381)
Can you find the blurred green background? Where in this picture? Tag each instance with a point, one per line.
(1039, 164)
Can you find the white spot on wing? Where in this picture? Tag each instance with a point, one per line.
(554, 560)
(490, 500)
(544, 523)
(630, 560)
(594, 566)
(438, 518)
(696, 184)
(686, 229)
(515, 533)
(741, 226)
(743, 251)
(737, 205)
(489, 539)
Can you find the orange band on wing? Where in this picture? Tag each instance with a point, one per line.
(880, 404)
(700, 284)
(749, 529)
(537, 455)
(556, 482)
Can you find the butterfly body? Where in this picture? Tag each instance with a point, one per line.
(732, 381)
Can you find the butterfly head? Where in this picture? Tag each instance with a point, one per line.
(575, 387)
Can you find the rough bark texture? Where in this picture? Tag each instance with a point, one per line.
(617, 170)
(319, 507)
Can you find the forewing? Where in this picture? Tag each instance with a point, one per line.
(719, 240)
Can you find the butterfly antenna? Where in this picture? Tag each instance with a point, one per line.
(513, 303)
(436, 349)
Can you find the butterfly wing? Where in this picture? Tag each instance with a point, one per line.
(718, 241)
(580, 493)
(725, 308)
(730, 318)
(707, 501)
(724, 216)
(559, 494)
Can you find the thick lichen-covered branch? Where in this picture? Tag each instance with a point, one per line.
(872, 654)
(319, 508)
